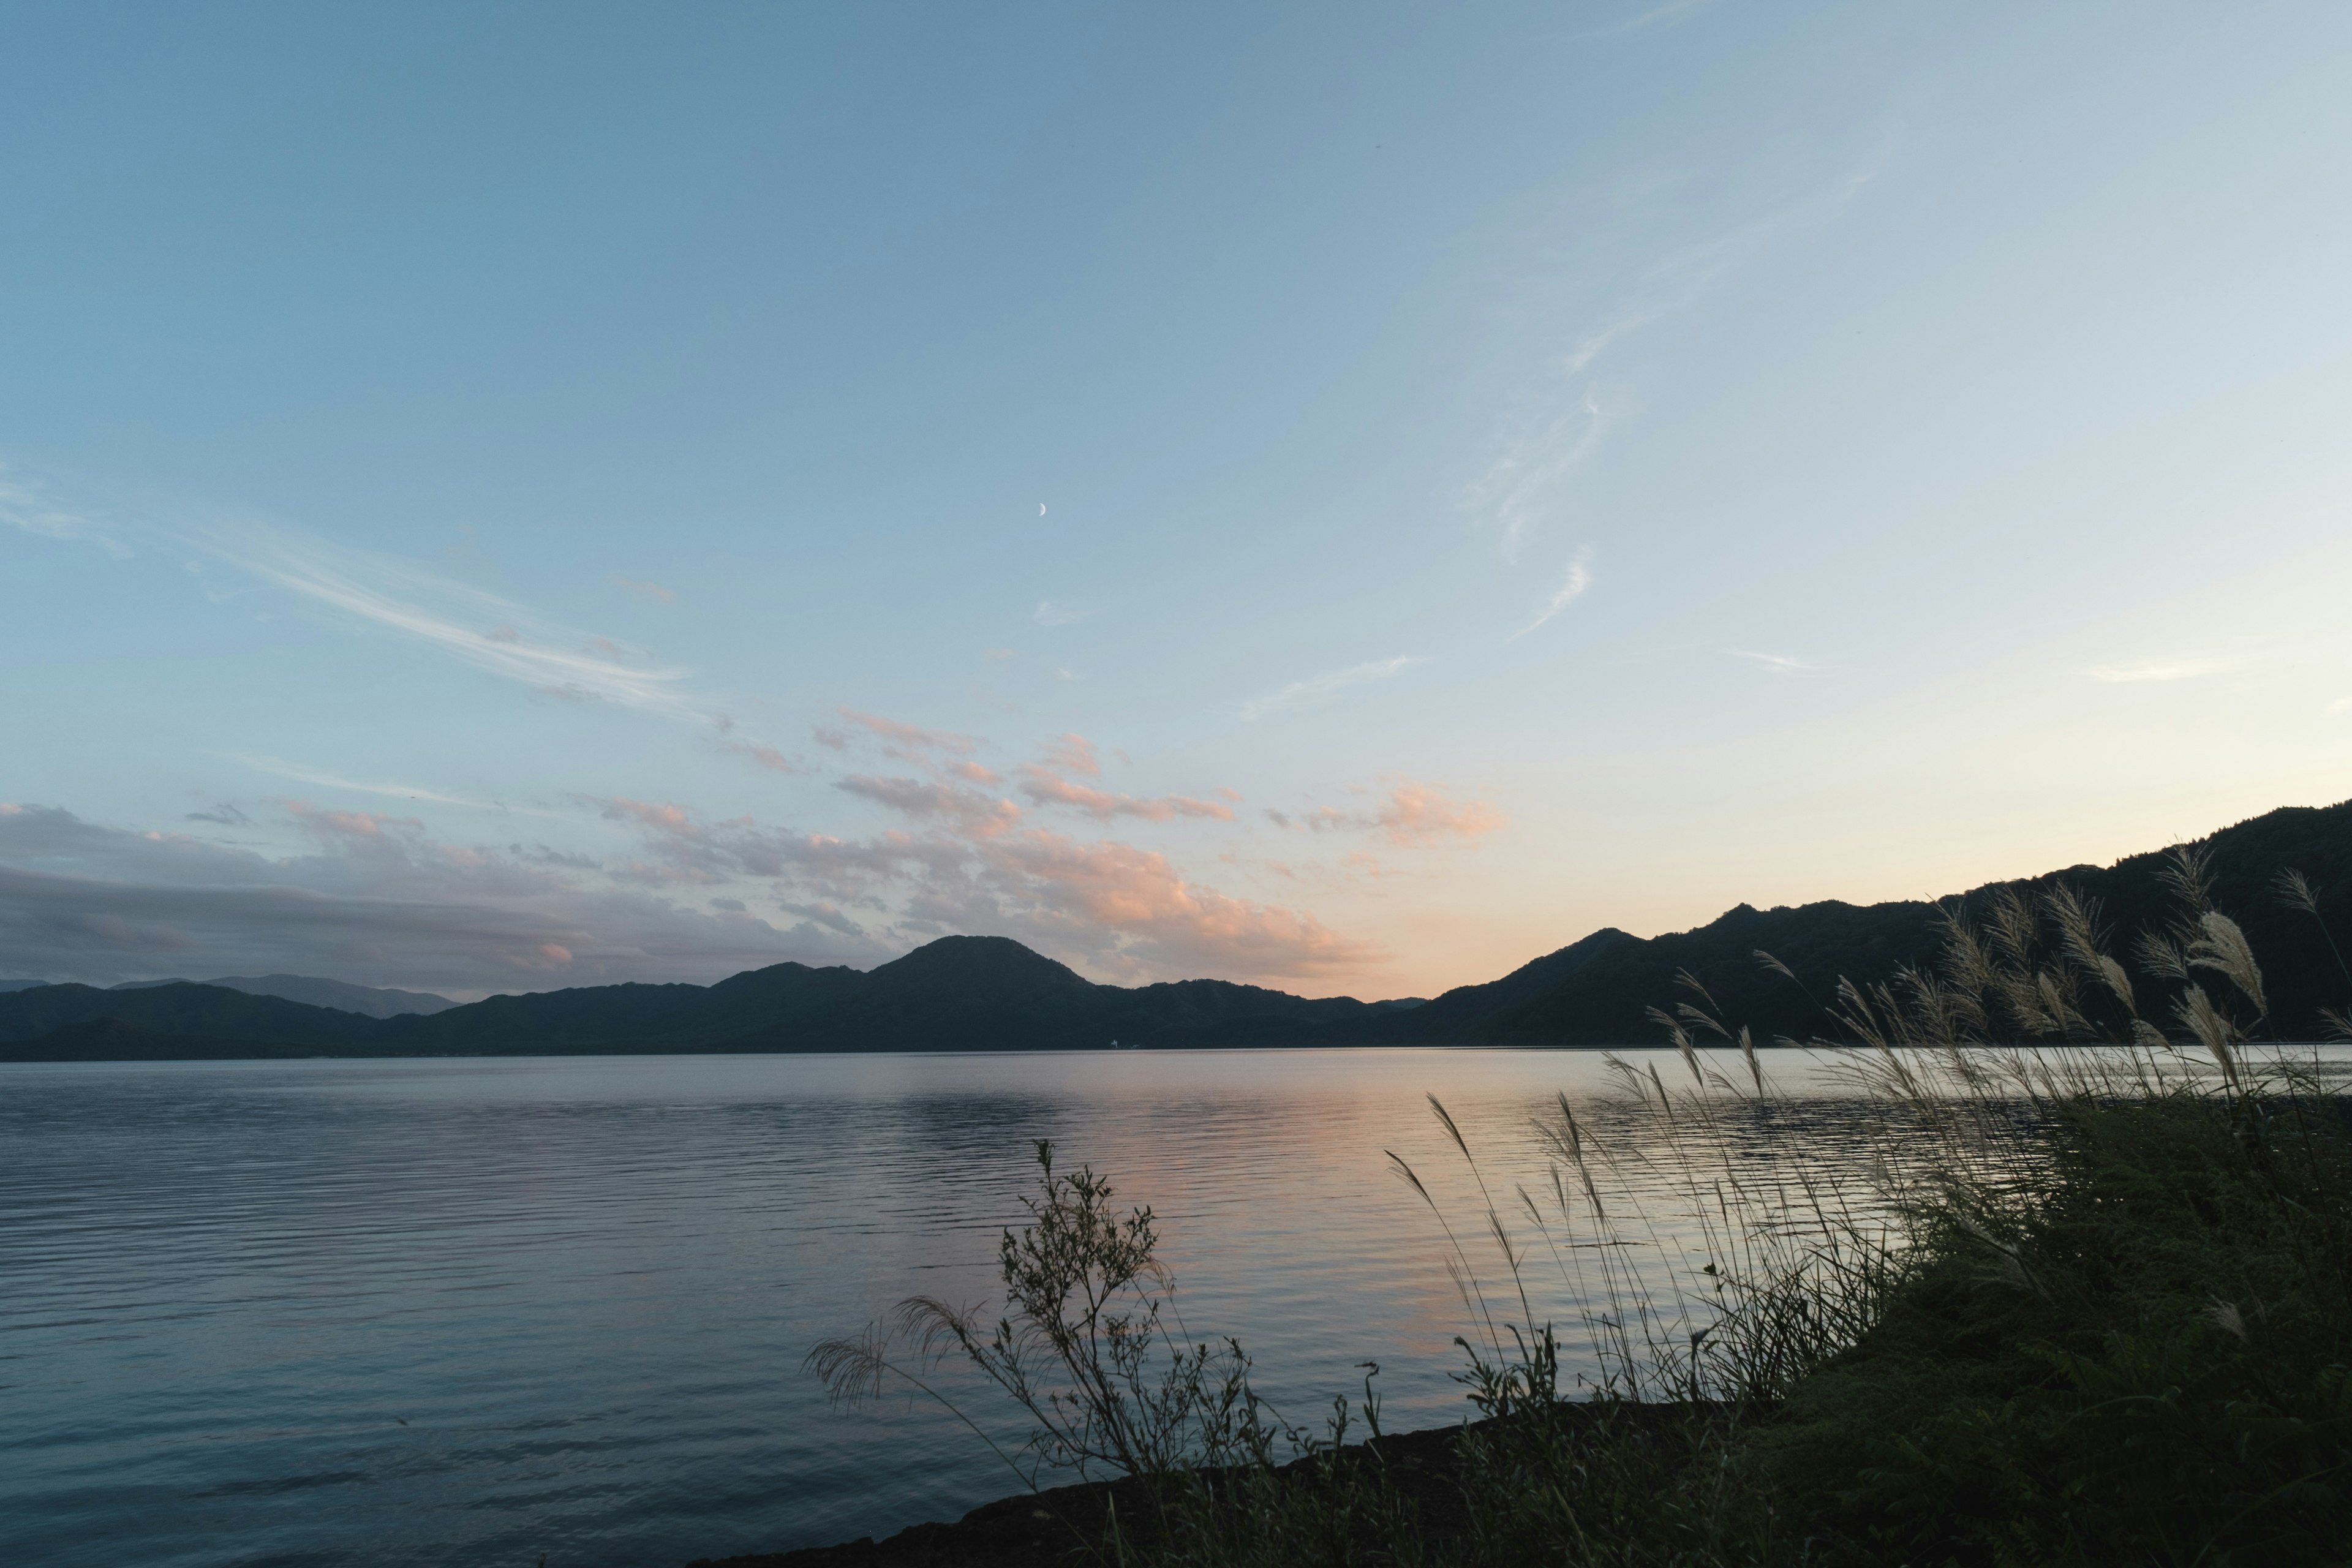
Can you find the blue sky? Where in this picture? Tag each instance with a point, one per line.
(1346, 497)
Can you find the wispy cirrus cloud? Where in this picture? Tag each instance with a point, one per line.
(1049, 613)
(1564, 415)
(481, 629)
(300, 772)
(1773, 663)
(24, 507)
(1316, 687)
(1521, 488)
(1571, 588)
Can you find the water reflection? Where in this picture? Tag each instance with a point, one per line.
(473, 1312)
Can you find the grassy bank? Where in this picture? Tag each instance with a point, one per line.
(2084, 1296)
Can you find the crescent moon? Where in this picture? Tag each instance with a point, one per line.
(1041, 508)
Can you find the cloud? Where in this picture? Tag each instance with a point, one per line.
(1519, 487)
(2171, 669)
(1580, 578)
(670, 819)
(824, 914)
(278, 767)
(767, 757)
(1539, 451)
(1414, 814)
(376, 901)
(24, 507)
(478, 628)
(1169, 925)
(653, 591)
(1073, 753)
(1596, 341)
(1109, 906)
(972, 812)
(1419, 813)
(1043, 786)
(1316, 687)
(903, 735)
(1046, 783)
(1049, 613)
(1773, 663)
(369, 825)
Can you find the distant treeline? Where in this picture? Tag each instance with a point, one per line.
(993, 994)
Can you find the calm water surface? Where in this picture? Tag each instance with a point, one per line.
(473, 1312)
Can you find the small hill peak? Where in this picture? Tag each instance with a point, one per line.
(984, 964)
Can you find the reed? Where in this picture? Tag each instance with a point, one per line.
(2080, 1292)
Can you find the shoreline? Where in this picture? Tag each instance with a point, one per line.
(1061, 1526)
(1066, 1524)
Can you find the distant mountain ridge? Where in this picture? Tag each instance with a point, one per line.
(371, 1000)
(1598, 991)
(978, 992)
(959, 992)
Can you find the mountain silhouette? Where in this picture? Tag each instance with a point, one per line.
(991, 993)
(369, 1000)
(1599, 991)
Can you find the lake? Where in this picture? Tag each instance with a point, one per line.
(472, 1312)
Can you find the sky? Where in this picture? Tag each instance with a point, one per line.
(1346, 498)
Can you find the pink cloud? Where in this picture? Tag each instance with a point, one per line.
(1113, 906)
(1074, 753)
(972, 772)
(1417, 814)
(1137, 894)
(349, 823)
(1043, 787)
(767, 757)
(912, 734)
(670, 819)
(654, 591)
(973, 814)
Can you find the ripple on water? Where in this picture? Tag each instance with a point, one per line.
(471, 1311)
